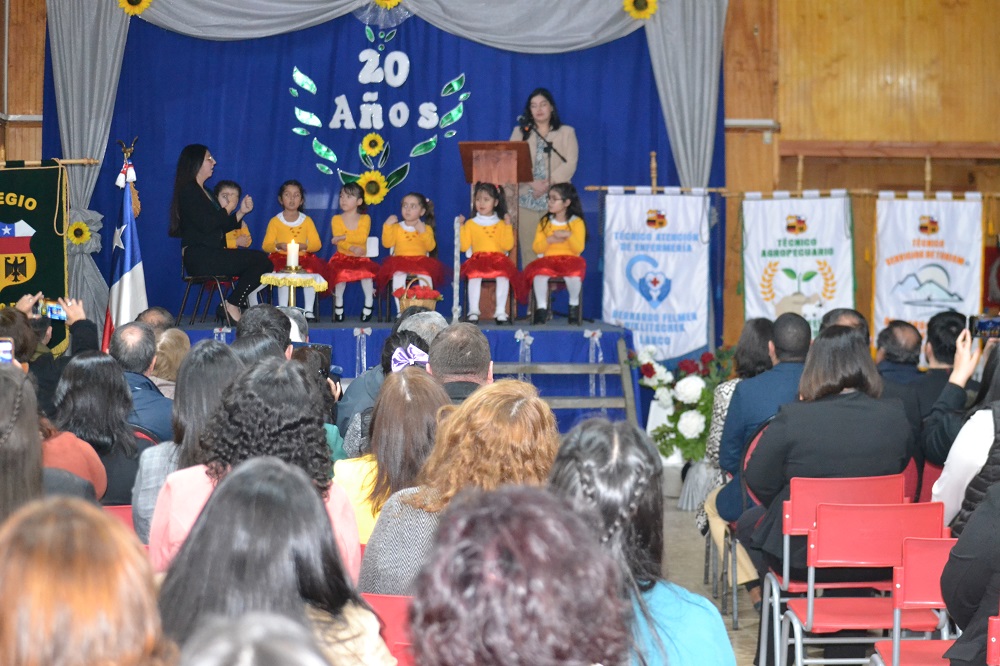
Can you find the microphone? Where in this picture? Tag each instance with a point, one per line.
(525, 122)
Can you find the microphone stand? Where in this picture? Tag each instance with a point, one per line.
(549, 148)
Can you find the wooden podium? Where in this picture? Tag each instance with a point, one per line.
(505, 164)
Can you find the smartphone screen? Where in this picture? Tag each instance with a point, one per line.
(984, 327)
(55, 311)
(6, 350)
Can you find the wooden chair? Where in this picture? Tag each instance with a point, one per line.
(851, 536)
(393, 611)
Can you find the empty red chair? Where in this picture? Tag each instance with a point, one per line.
(394, 612)
(993, 642)
(932, 473)
(122, 512)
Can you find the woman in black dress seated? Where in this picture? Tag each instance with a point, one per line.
(201, 224)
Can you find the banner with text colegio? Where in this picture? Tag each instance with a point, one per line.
(798, 256)
(656, 269)
(929, 257)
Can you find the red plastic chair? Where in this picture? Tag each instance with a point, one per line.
(932, 473)
(122, 512)
(993, 642)
(858, 536)
(798, 517)
(394, 612)
(917, 584)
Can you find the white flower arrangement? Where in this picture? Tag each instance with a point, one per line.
(691, 424)
(689, 389)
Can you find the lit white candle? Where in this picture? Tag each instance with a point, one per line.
(293, 254)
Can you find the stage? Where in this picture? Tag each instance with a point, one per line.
(357, 347)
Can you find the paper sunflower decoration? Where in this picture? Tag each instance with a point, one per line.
(374, 185)
(135, 7)
(640, 9)
(386, 4)
(79, 233)
(372, 144)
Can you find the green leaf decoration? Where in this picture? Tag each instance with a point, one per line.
(381, 47)
(464, 96)
(324, 168)
(397, 176)
(809, 276)
(385, 155)
(389, 35)
(789, 272)
(369, 33)
(303, 81)
(307, 118)
(324, 151)
(367, 161)
(424, 147)
(449, 134)
(453, 86)
(301, 131)
(294, 92)
(347, 177)
(452, 116)
(381, 34)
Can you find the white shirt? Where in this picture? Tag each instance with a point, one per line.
(967, 456)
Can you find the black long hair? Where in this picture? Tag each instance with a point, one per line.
(554, 121)
(501, 208)
(569, 193)
(93, 401)
(188, 164)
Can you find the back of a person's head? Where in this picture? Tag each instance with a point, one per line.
(14, 324)
(268, 320)
(943, 330)
(300, 327)
(406, 314)
(93, 400)
(271, 410)
(402, 340)
(461, 350)
(515, 577)
(403, 428)
(899, 342)
(503, 433)
(253, 348)
(792, 335)
(157, 318)
(263, 542)
(255, 639)
(173, 345)
(205, 373)
(752, 356)
(318, 370)
(133, 346)
(425, 324)
(839, 360)
(76, 587)
(848, 317)
(610, 472)
(20, 441)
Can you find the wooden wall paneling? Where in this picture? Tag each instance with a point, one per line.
(24, 44)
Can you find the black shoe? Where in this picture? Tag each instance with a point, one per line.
(541, 315)
(221, 316)
(338, 314)
(575, 316)
(366, 314)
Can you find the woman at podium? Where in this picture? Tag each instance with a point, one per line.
(554, 154)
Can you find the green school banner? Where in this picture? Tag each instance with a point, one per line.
(33, 204)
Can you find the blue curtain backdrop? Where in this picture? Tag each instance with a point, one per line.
(234, 97)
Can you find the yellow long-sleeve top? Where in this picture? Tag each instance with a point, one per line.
(357, 236)
(302, 231)
(408, 243)
(236, 233)
(572, 246)
(496, 237)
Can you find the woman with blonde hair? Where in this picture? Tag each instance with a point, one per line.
(502, 434)
(171, 347)
(76, 589)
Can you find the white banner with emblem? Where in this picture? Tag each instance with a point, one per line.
(929, 257)
(656, 269)
(798, 255)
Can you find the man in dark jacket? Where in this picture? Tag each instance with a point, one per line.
(134, 347)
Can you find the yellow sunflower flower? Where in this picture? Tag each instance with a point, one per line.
(134, 7)
(372, 144)
(640, 9)
(79, 233)
(386, 4)
(374, 186)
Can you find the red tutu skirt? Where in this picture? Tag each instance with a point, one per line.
(558, 266)
(494, 265)
(413, 265)
(307, 260)
(347, 268)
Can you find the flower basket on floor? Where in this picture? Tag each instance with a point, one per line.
(420, 295)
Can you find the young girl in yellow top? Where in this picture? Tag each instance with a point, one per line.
(350, 263)
(411, 241)
(292, 224)
(490, 236)
(559, 242)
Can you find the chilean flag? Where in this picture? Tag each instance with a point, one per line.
(128, 282)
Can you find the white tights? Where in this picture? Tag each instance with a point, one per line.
(367, 287)
(541, 286)
(476, 288)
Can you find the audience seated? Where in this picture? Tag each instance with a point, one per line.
(204, 375)
(157, 318)
(252, 348)
(134, 347)
(514, 577)
(171, 347)
(300, 326)
(896, 357)
(76, 588)
(93, 401)
(612, 474)
(504, 433)
(264, 543)
(403, 427)
(270, 410)
(65, 452)
(255, 639)
(943, 330)
(460, 359)
(267, 320)
(318, 370)
(848, 317)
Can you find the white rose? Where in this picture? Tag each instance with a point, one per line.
(664, 396)
(688, 390)
(691, 424)
(647, 354)
(663, 376)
